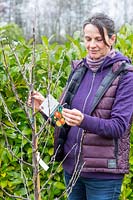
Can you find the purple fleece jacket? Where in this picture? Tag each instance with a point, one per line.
(113, 127)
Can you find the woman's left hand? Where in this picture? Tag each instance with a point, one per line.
(72, 117)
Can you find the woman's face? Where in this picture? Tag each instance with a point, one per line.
(94, 42)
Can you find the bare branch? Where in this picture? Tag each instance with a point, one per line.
(13, 196)
(8, 114)
(18, 61)
(13, 85)
(9, 148)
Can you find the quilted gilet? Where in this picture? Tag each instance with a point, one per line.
(107, 154)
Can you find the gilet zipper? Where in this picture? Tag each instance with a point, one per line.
(85, 102)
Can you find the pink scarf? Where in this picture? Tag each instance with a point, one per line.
(95, 64)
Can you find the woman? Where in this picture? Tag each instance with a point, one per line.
(96, 148)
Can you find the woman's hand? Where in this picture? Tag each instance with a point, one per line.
(38, 100)
(72, 117)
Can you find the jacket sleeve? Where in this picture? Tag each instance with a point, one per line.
(121, 113)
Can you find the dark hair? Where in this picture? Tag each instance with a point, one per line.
(102, 21)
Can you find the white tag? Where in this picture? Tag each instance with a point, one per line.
(42, 163)
(49, 105)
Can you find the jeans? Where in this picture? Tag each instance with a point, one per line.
(94, 189)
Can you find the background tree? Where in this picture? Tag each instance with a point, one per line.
(61, 17)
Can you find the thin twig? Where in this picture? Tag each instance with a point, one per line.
(18, 61)
(13, 85)
(13, 154)
(13, 196)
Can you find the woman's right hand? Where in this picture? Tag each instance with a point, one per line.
(38, 100)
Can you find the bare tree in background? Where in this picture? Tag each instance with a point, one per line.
(61, 17)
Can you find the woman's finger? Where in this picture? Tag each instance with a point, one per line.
(72, 117)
